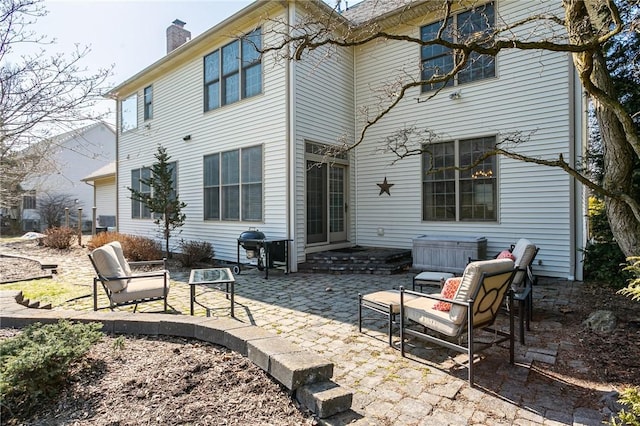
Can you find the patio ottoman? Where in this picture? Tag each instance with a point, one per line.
(385, 302)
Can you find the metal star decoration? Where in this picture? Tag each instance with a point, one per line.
(384, 187)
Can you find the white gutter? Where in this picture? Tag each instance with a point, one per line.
(572, 180)
(291, 154)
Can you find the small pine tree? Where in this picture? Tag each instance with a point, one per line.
(162, 202)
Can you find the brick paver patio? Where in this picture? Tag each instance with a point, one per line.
(319, 313)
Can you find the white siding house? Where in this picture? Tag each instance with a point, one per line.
(244, 141)
(73, 156)
(103, 181)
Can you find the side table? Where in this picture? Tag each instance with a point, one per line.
(212, 278)
(430, 279)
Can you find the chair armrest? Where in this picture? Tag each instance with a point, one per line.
(433, 296)
(149, 262)
(133, 277)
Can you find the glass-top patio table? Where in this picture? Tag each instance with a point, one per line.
(212, 278)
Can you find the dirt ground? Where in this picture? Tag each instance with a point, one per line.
(199, 383)
(167, 381)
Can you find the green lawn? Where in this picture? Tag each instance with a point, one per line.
(48, 291)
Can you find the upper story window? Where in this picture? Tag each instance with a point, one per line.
(129, 113)
(466, 194)
(233, 72)
(232, 188)
(439, 60)
(148, 102)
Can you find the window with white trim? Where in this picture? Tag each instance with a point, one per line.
(457, 191)
(148, 102)
(233, 72)
(438, 60)
(232, 185)
(138, 209)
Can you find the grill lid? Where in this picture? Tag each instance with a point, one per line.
(251, 235)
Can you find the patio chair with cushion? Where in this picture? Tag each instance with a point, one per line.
(121, 285)
(475, 305)
(523, 254)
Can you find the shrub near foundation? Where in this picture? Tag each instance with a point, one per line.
(59, 238)
(35, 363)
(192, 252)
(135, 248)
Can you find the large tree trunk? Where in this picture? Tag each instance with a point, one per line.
(581, 18)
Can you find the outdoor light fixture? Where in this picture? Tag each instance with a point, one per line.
(187, 138)
(456, 95)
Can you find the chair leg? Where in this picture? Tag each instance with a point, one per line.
(392, 318)
(470, 341)
(522, 317)
(511, 339)
(529, 310)
(360, 312)
(95, 295)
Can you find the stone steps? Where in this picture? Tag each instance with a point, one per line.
(358, 260)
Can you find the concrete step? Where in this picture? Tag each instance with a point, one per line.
(325, 398)
(358, 260)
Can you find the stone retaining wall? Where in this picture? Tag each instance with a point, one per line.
(305, 374)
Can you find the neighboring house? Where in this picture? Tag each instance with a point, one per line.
(103, 181)
(73, 155)
(245, 133)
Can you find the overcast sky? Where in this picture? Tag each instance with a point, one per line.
(128, 34)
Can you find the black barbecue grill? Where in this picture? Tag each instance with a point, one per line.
(251, 241)
(266, 251)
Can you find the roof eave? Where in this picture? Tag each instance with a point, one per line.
(183, 50)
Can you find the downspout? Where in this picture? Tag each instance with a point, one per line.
(118, 127)
(572, 181)
(291, 154)
(354, 202)
(577, 137)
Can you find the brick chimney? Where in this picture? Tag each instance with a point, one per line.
(177, 35)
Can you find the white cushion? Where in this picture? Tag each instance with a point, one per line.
(470, 281)
(524, 251)
(388, 298)
(141, 288)
(421, 311)
(108, 266)
(488, 299)
(117, 248)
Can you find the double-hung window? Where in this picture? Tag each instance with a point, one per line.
(138, 209)
(148, 102)
(233, 72)
(438, 60)
(232, 187)
(454, 187)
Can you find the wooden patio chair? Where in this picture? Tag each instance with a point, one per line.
(475, 306)
(121, 285)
